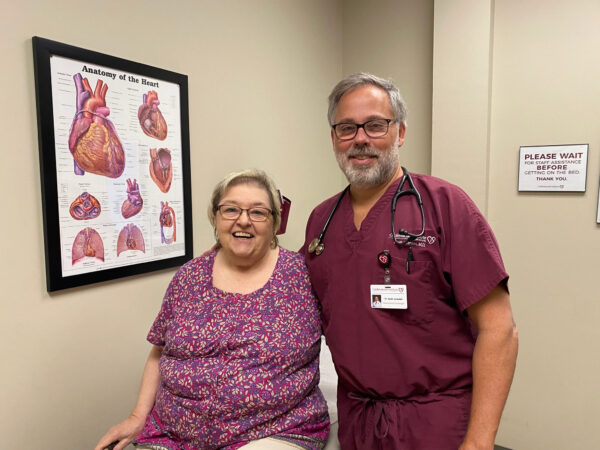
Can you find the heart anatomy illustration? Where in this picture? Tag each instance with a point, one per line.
(85, 207)
(161, 169)
(130, 238)
(87, 243)
(134, 202)
(168, 227)
(151, 119)
(93, 140)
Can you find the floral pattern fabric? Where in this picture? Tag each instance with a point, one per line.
(238, 367)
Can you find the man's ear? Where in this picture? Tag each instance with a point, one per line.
(401, 133)
(332, 137)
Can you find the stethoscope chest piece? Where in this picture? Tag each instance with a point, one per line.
(316, 246)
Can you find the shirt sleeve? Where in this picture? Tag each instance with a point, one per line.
(472, 257)
(157, 332)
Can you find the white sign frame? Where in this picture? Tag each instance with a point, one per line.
(553, 168)
(598, 210)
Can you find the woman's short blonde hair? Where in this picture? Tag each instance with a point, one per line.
(250, 176)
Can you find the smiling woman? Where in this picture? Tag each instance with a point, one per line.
(248, 247)
(235, 356)
(251, 177)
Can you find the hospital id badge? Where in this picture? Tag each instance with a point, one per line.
(389, 296)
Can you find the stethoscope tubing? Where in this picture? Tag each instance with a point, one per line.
(400, 193)
(317, 245)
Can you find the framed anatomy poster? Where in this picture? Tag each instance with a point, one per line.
(114, 164)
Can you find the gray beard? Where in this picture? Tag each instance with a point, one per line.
(366, 177)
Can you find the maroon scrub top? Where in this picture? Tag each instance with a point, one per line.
(404, 375)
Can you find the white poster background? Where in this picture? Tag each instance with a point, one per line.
(123, 98)
(560, 168)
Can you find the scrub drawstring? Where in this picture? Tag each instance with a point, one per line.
(379, 422)
(377, 415)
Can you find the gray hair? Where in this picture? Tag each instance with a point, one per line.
(249, 176)
(361, 79)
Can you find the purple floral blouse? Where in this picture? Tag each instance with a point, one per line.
(238, 367)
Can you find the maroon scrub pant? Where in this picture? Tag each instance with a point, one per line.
(434, 421)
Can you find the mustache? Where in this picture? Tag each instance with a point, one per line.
(361, 151)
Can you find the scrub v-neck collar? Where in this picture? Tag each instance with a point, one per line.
(354, 236)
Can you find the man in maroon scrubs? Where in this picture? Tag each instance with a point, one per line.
(430, 367)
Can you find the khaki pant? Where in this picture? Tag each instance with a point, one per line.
(269, 444)
(259, 444)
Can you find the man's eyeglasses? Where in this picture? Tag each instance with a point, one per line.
(255, 214)
(373, 128)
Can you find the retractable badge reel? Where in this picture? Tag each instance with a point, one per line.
(385, 261)
(387, 295)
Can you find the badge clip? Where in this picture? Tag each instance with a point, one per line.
(385, 260)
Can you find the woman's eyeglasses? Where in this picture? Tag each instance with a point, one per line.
(255, 214)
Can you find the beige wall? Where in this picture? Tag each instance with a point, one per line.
(504, 74)
(543, 89)
(546, 91)
(461, 95)
(394, 39)
(259, 73)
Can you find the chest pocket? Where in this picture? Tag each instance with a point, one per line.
(419, 291)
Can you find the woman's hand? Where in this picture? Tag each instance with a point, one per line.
(124, 432)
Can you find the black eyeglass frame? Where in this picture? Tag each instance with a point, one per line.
(362, 125)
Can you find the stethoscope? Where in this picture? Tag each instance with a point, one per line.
(317, 246)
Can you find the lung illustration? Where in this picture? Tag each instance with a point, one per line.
(85, 207)
(130, 238)
(134, 202)
(93, 140)
(151, 119)
(161, 169)
(168, 227)
(87, 243)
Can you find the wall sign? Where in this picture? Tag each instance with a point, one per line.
(598, 211)
(556, 168)
(114, 164)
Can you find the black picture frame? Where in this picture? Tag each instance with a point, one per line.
(123, 144)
